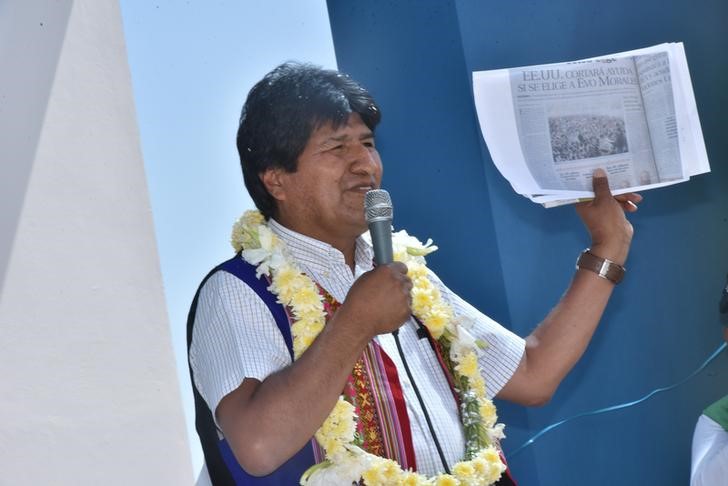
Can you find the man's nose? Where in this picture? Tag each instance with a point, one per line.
(364, 160)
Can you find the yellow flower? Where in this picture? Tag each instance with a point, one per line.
(421, 281)
(410, 478)
(371, 476)
(391, 472)
(288, 292)
(477, 384)
(468, 366)
(416, 271)
(306, 299)
(464, 470)
(400, 255)
(446, 480)
(332, 446)
(488, 413)
(496, 470)
(480, 466)
(490, 454)
(245, 231)
(284, 279)
(301, 344)
(237, 237)
(422, 299)
(253, 217)
(436, 328)
(383, 472)
(437, 320)
(311, 317)
(338, 429)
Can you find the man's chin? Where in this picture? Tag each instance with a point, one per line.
(361, 227)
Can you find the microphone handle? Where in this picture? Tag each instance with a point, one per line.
(381, 232)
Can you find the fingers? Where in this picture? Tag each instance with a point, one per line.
(629, 201)
(632, 196)
(601, 184)
(399, 271)
(399, 267)
(382, 297)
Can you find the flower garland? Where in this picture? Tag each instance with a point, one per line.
(346, 462)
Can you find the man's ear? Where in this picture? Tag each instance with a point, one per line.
(272, 179)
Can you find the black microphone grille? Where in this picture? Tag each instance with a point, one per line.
(378, 205)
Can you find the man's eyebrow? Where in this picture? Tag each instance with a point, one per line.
(343, 137)
(337, 138)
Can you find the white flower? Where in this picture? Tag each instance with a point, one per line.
(496, 432)
(342, 473)
(463, 343)
(255, 255)
(345, 472)
(266, 237)
(263, 260)
(269, 256)
(413, 246)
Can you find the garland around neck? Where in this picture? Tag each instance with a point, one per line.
(346, 462)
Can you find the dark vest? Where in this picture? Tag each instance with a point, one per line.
(221, 464)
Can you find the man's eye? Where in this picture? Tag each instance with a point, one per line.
(369, 144)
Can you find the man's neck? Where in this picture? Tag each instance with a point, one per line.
(349, 251)
(346, 244)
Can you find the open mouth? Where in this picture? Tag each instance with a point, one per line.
(363, 189)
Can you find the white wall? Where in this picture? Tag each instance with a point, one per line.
(89, 388)
(31, 34)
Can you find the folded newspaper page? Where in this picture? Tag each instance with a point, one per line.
(632, 114)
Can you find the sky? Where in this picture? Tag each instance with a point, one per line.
(192, 64)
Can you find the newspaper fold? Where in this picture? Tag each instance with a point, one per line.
(548, 127)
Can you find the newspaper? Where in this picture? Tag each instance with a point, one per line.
(633, 114)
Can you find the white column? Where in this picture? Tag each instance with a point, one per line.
(89, 390)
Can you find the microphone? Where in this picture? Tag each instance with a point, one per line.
(378, 212)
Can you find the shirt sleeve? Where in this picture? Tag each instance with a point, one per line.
(504, 349)
(234, 337)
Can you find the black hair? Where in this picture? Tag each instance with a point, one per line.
(282, 111)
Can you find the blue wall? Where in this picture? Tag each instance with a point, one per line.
(513, 259)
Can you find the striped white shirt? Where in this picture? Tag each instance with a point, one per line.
(236, 337)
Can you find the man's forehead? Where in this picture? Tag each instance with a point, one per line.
(353, 127)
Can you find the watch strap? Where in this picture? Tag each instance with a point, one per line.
(605, 268)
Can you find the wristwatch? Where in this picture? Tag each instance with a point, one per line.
(607, 269)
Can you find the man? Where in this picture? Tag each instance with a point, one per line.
(709, 464)
(308, 154)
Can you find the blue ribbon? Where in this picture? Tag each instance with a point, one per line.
(617, 407)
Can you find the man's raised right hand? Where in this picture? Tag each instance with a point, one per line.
(379, 301)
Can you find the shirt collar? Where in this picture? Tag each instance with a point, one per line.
(317, 254)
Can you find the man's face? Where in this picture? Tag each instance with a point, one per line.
(324, 198)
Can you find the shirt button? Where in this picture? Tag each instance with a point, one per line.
(327, 274)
